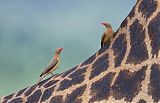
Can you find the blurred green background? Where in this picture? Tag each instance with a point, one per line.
(30, 31)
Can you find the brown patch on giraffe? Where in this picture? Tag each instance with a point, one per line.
(44, 81)
(154, 34)
(74, 97)
(64, 85)
(138, 52)
(16, 100)
(154, 86)
(34, 98)
(57, 99)
(132, 13)
(128, 84)
(20, 92)
(89, 60)
(100, 90)
(5, 101)
(119, 48)
(30, 90)
(99, 66)
(77, 77)
(50, 83)
(47, 93)
(142, 101)
(147, 7)
(8, 97)
(78, 72)
(69, 71)
(100, 51)
(124, 23)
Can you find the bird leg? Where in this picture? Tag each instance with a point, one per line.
(52, 74)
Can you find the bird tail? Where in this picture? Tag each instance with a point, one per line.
(101, 44)
(106, 44)
(41, 74)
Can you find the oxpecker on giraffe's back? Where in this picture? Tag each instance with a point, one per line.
(107, 35)
(53, 65)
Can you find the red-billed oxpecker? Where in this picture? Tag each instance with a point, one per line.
(53, 65)
(107, 35)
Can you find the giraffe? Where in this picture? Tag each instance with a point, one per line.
(126, 72)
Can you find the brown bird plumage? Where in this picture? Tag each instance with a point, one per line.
(107, 35)
(53, 65)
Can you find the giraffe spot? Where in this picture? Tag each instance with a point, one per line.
(100, 89)
(50, 83)
(44, 81)
(132, 13)
(147, 7)
(77, 77)
(34, 98)
(154, 34)
(74, 97)
(78, 72)
(102, 50)
(138, 52)
(119, 48)
(64, 85)
(89, 60)
(8, 97)
(142, 101)
(68, 72)
(99, 66)
(154, 86)
(47, 93)
(124, 23)
(16, 100)
(128, 84)
(57, 99)
(4, 101)
(29, 91)
(20, 92)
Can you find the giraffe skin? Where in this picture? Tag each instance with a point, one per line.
(126, 72)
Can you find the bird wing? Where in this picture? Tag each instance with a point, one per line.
(114, 34)
(49, 67)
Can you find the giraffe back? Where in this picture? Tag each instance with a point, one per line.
(127, 71)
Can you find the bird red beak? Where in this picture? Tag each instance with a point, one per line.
(60, 49)
(104, 23)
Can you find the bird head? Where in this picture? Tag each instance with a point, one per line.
(106, 24)
(58, 51)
